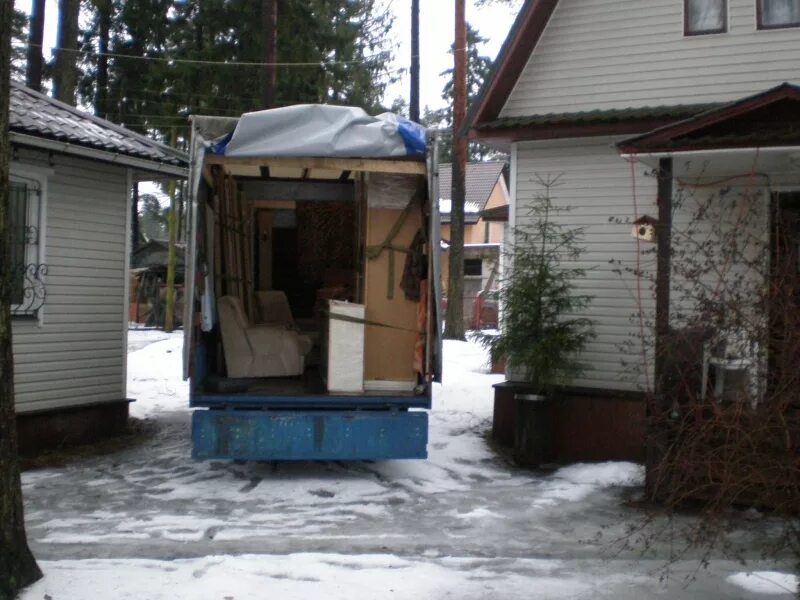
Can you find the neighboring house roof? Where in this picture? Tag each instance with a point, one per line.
(155, 253)
(35, 115)
(766, 119)
(481, 179)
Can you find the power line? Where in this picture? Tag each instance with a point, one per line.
(216, 63)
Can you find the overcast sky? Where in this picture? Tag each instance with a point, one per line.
(437, 30)
(436, 36)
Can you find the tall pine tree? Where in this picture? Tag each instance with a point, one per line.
(166, 58)
(17, 565)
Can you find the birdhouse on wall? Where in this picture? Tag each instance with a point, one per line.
(644, 229)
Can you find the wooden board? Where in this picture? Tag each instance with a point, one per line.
(374, 165)
(389, 353)
(264, 250)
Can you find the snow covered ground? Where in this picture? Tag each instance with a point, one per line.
(148, 522)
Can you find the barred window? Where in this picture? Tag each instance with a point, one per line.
(17, 225)
(27, 292)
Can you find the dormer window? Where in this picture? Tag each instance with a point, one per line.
(705, 16)
(777, 14)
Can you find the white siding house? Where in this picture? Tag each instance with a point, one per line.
(576, 79)
(71, 177)
(598, 189)
(619, 54)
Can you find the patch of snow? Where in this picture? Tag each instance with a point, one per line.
(479, 513)
(155, 374)
(765, 582)
(575, 483)
(603, 474)
(308, 576)
(366, 529)
(139, 338)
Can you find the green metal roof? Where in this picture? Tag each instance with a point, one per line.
(680, 111)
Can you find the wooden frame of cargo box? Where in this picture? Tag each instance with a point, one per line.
(284, 419)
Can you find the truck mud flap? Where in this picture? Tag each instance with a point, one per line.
(320, 435)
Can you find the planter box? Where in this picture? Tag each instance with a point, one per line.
(505, 415)
(533, 432)
(570, 426)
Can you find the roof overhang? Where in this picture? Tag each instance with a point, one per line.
(140, 164)
(498, 214)
(594, 123)
(769, 120)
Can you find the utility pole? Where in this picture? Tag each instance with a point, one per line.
(454, 318)
(35, 65)
(269, 22)
(414, 108)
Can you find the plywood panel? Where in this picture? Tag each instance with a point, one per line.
(389, 353)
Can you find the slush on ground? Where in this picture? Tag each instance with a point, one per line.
(149, 522)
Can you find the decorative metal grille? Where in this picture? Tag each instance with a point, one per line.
(33, 292)
(28, 293)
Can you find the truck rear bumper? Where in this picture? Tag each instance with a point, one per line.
(309, 435)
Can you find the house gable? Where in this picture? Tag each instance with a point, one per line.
(611, 55)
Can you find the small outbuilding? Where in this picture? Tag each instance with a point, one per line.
(72, 176)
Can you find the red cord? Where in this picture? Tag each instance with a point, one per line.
(632, 162)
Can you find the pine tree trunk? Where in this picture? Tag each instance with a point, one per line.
(18, 568)
(104, 8)
(414, 100)
(454, 318)
(35, 40)
(65, 75)
(269, 18)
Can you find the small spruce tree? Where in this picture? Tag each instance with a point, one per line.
(541, 330)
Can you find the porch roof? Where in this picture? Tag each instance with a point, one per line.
(767, 119)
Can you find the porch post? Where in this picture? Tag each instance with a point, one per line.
(656, 441)
(663, 267)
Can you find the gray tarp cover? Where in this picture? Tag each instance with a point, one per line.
(324, 131)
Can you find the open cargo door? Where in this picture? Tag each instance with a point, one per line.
(203, 129)
(435, 236)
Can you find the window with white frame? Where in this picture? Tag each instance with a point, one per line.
(777, 14)
(28, 291)
(705, 16)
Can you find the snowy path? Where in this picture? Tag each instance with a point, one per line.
(149, 522)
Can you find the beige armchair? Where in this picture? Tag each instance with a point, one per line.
(273, 307)
(270, 350)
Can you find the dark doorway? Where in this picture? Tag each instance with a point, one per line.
(285, 266)
(784, 294)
